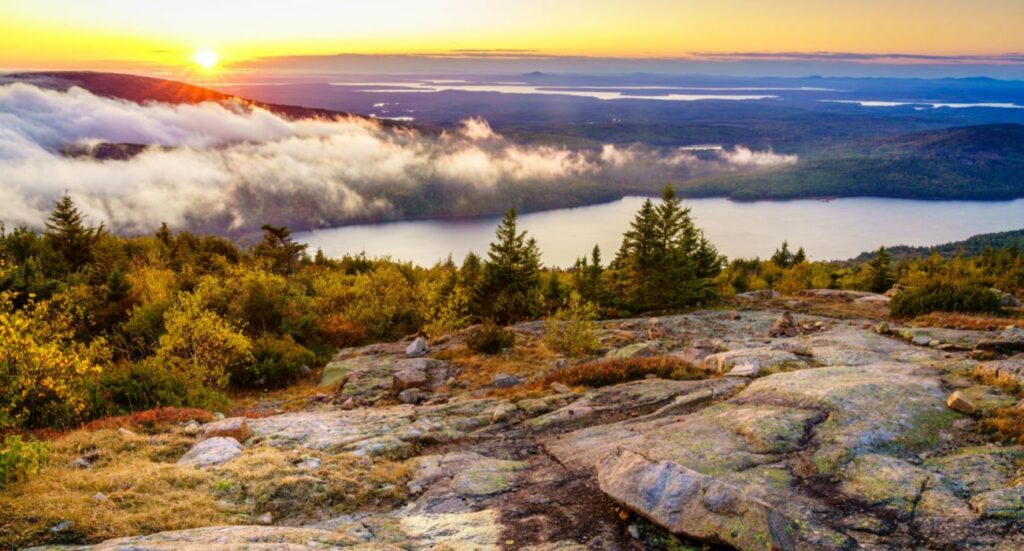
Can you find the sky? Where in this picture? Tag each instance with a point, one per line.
(102, 34)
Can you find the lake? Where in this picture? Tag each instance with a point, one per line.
(837, 229)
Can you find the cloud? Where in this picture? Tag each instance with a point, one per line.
(229, 168)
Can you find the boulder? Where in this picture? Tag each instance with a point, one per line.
(655, 330)
(504, 380)
(1007, 300)
(412, 396)
(410, 377)
(744, 370)
(212, 451)
(233, 427)
(958, 402)
(694, 505)
(784, 326)
(417, 349)
(761, 358)
(635, 350)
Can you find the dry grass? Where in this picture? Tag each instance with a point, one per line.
(528, 359)
(965, 321)
(610, 372)
(270, 480)
(256, 404)
(144, 491)
(1007, 422)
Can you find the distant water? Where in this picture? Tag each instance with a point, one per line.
(837, 229)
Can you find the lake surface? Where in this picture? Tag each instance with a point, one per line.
(837, 229)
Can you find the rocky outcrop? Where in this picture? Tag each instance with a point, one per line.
(233, 427)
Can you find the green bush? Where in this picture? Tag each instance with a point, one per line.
(277, 362)
(570, 330)
(20, 459)
(490, 338)
(149, 384)
(944, 297)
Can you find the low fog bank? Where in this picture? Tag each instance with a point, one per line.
(228, 168)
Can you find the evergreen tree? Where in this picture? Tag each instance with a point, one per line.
(553, 292)
(782, 257)
(469, 272)
(509, 285)
(881, 277)
(800, 257)
(69, 236)
(664, 261)
(281, 249)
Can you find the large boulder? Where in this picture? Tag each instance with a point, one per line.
(418, 348)
(689, 503)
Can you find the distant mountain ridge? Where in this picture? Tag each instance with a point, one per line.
(972, 246)
(141, 89)
(982, 162)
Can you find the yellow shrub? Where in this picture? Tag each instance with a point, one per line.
(200, 343)
(43, 370)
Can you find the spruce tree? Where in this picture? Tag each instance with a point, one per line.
(782, 257)
(69, 236)
(509, 285)
(281, 249)
(881, 278)
(800, 257)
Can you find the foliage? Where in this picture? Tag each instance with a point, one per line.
(490, 338)
(147, 384)
(43, 369)
(200, 344)
(944, 297)
(508, 290)
(664, 261)
(570, 330)
(20, 458)
(384, 303)
(882, 278)
(277, 362)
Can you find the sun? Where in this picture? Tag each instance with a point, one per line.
(206, 58)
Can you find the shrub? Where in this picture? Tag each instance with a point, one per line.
(20, 459)
(490, 338)
(610, 372)
(944, 297)
(570, 330)
(339, 331)
(153, 420)
(43, 370)
(201, 344)
(149, 384)
(276, 362)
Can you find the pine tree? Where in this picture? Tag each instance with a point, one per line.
(881, 279)
(469, 272)
(553, 292)
(509, 285)
(69, 236)
(281, 249)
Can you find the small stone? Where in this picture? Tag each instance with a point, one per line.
(99, 496)
(265, 518)
(882, 328)
(125, 433)
(411, 396)
(417, 349)
(192, 428)
(734, 314)
(503, 412)
(958, 402)
(504, 380)
(306, 370)
(784, 326)
(235, 427)
(744, 370)
(654, 329)
(634, 531)
(348, 404)
(218, 416)
(61, 526)
(309, 463)
(560, 388)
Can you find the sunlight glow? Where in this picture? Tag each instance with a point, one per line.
(206, 58)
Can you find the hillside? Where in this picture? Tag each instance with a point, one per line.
(971, 246)
(141, 89)
(978, 162)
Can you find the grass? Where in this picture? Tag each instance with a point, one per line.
(528, 359)
(144, 491)
(610, 372)
(1006, 422)
(150, 420)
(950, 320)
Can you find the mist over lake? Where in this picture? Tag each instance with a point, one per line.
(837, 229)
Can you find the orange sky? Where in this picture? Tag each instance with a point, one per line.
(90, 34)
